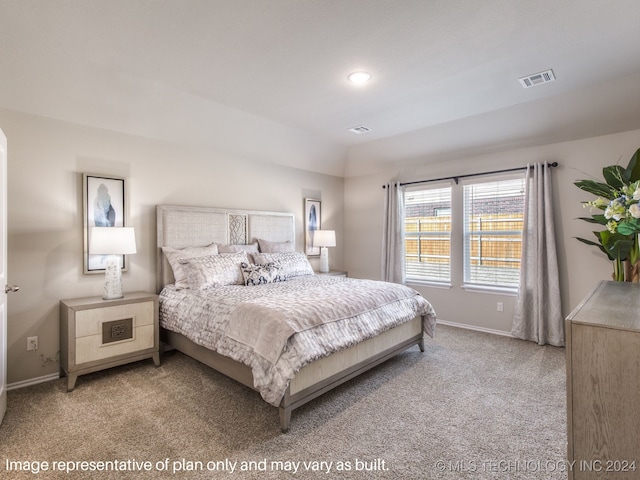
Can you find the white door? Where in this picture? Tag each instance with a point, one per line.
(3, 274)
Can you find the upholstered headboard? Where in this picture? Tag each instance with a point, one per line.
(186, 226)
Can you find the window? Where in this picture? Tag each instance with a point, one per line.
(428, 234)
(493, 223)
(486, 219)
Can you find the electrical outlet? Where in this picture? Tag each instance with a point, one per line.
(32, 343)
(500, 306)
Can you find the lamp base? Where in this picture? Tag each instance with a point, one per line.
(324, 260)
(112, 279)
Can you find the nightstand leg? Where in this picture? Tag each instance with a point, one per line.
(156, 359)
(71, 382)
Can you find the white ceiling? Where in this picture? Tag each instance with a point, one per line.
(445, 73)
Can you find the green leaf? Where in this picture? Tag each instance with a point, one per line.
(613, 175)
(594, 244)
(597, 188)
(627, 228)
(588, 242)
(624, 248)
(599, 219)
(632, 173)
(617, 246)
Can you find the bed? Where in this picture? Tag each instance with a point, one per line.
(266, 327)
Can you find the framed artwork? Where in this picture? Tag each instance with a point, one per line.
(104, 204)
(312, 217)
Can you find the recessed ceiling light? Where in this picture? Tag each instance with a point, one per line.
(359, 77)
(360, 129)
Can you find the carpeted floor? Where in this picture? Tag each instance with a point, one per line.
(474, 406)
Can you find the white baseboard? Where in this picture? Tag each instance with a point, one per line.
(476, 328)
(33, 381)
(56, 376)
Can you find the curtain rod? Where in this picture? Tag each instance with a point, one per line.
(458, 177)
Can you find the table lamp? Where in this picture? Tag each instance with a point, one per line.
(324, 239)
(113, 242)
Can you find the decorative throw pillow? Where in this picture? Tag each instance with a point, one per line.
(173, 256)
(293, 264)
(258, 274)
(214, 270)
(275, 247)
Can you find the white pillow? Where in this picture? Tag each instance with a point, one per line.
(250, 248)
(275, 247)
(175, 254)
(214, 270)
(293, 264)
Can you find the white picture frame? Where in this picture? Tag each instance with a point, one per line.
(104, 204)
(312, 222)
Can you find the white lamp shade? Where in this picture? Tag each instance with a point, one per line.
(112, 241)
(324, 238)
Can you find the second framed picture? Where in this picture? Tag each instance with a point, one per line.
(104, 205)
(312, 210)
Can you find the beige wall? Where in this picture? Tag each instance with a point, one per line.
(47, 158)
(580, 266)
(45, 164)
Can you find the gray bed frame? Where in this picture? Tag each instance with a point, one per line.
(185, 226)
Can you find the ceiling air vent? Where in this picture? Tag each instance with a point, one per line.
(537, 79)
(360, 129)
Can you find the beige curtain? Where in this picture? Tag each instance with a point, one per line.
(393, 269)
(538, 312)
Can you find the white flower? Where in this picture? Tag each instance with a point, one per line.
(599, 202)
(634, 210)
(615, 210)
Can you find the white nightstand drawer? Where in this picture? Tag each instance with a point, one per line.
(89, 322)
(91, 348)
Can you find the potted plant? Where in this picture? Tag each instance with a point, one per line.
(617, 199)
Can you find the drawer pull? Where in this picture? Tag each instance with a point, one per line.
(117, 330)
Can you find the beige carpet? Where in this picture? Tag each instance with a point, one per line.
(472, 406)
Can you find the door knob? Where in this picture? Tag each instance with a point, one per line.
(11, 288)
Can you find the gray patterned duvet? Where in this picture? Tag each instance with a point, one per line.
(277, 328)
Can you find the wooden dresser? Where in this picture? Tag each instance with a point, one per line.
(603, 383)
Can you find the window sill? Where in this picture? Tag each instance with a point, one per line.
(510, 291)
(426, 283)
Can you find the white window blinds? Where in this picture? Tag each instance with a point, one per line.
(493, 223)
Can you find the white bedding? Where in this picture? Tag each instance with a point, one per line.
(302, 328)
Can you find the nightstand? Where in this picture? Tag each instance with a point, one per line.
(335, 273)
(96, 334)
